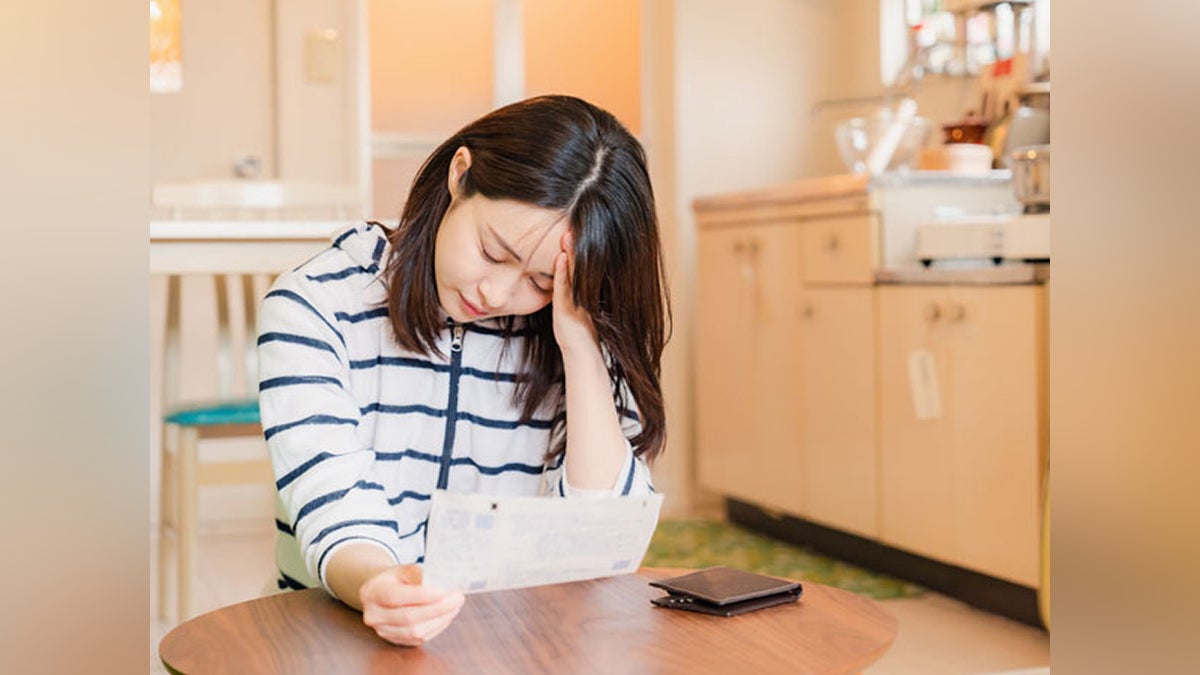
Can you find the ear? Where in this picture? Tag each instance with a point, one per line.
(459, 163)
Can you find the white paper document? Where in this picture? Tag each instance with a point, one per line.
(479, 543)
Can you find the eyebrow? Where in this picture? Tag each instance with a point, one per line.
(511, 250)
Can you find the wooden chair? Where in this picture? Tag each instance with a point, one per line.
(234, 412)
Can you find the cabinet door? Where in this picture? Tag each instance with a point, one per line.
(777, 462)
(837, 361)
(745, 362)
(916, 453)
(997, 357)
(724, 329)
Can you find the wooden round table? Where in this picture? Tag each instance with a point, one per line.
(600, 626)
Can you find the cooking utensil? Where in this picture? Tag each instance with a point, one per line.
(1031, 176)
(858, 137)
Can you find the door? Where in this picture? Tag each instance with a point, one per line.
(996, 352)
(746, 384)
(916, 409)
(837, 350)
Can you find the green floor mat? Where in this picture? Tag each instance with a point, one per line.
(698, 543)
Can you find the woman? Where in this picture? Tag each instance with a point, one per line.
(522, 288)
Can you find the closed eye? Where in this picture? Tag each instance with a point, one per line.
(543, 291)
(488, 256)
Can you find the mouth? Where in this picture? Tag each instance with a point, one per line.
(472, 311)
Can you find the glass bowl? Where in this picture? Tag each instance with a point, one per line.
(857, 136)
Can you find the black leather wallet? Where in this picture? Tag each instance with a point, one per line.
(724, 591)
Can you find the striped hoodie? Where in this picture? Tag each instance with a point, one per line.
(361, 431)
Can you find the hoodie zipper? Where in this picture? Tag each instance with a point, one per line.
(456, 346)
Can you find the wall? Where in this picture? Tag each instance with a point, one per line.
(245, 91)
(747, 79)
(226, 106)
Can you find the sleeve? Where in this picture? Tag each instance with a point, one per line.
(323, 469)
(632, 480)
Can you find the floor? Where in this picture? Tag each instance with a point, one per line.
(938, 635)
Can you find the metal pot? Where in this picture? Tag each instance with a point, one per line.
(1031, 175)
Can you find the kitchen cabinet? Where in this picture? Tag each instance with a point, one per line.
(911, 415)
(746, 332)
(837, 408)
(961, 424)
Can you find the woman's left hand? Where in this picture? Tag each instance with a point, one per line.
(573, 327)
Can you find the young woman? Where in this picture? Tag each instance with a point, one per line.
(504, 339)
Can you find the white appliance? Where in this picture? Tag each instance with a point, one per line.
(999, 238)
(905, 201)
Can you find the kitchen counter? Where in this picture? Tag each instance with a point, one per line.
(1017, 273)
(846, 185)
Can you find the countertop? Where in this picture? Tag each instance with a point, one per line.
(1012, 273)
(843, 186)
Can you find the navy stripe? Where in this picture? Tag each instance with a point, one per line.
(340, 274)
(311, 419)
(397, 456)
(408, 362)
(333, 497)
(417, 529)
(297, 298)
(504, 424)
(457, 461)
(562, 481)
(629, 479)
(390, 524)
(494, 470)
(343, 236)
(388, 409)
(629, 414)
(377, 254)
(488, 375)
(290, 380)
(284, 581)
(284, 527)
(296, 339)
(408, 494)
(362, 316)
(296, 472)
(402, 361)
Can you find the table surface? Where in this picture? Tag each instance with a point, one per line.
(600, 626)
(236, 247)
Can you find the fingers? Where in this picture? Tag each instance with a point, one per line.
(420, 633)
(562, 282)
(397, 587)
(414, 625)
(404, 611)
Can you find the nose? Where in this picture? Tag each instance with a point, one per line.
(496, 290)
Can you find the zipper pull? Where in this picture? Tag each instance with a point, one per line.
(456, 342)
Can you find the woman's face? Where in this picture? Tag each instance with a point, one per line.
(494, 257)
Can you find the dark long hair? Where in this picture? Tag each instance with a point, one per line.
(556, 152)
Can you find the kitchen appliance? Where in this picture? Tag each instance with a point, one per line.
(1023, 237)
(1031, 177)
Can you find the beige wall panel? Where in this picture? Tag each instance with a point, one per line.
(225, 107)
(591, 49)
(431, 64)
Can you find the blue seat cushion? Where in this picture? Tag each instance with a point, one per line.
(215, 413)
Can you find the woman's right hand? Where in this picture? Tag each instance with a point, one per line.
(402, 610)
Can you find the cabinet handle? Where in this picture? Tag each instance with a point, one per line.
(958, 312)
(932, 312)
(833, 243)
(807, 311)
(742, 246)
